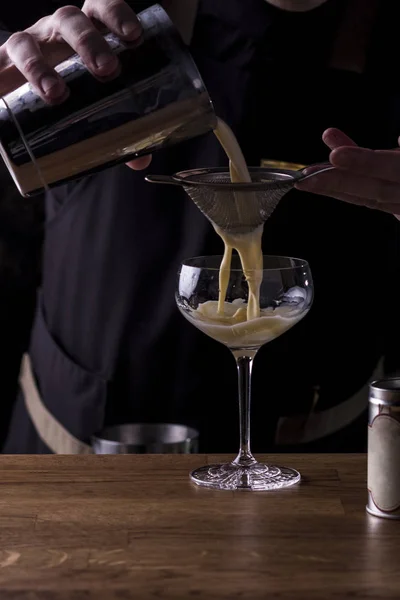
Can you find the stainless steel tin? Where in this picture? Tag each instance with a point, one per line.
(143, 438)
(158, 100)
(384, 449)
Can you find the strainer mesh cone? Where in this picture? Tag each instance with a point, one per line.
(237, 208)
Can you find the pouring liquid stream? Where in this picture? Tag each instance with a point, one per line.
(248, 245)
(240, 325)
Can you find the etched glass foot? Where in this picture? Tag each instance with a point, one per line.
(255, 477)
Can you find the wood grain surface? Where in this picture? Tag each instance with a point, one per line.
(122, 527)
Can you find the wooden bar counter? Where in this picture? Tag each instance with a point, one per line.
(122, 527)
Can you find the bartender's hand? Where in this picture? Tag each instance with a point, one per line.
(366, 177)
(31, 54)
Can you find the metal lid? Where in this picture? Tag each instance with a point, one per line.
(385, 391)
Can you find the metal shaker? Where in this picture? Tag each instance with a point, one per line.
(158, 100)
(147, 438)
(384, 449)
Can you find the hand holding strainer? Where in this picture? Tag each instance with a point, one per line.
(238, 208)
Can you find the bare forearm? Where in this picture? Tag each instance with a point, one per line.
(296, 5)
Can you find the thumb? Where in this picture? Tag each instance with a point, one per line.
(334, 138)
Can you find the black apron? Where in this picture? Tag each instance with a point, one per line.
(109, 345)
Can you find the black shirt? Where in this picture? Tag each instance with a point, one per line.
(109, 277)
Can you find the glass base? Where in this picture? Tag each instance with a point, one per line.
(256, 477)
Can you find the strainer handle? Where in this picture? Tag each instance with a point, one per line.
(161, 179)
(319, 168)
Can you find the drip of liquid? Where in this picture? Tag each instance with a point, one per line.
(27, 147)
(248, 245)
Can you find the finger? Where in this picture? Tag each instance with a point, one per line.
(25, 53)
(140, 163)
(334, 138)
(383, 164)
(391, 208)
(350, 199)
(80, 33)
(4, 58)
(117, 16)
(358, 201)
(338, 181)
(10, 77)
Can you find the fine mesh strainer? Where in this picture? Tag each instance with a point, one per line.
(238, 208)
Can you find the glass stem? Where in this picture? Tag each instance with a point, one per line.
(244, 368)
